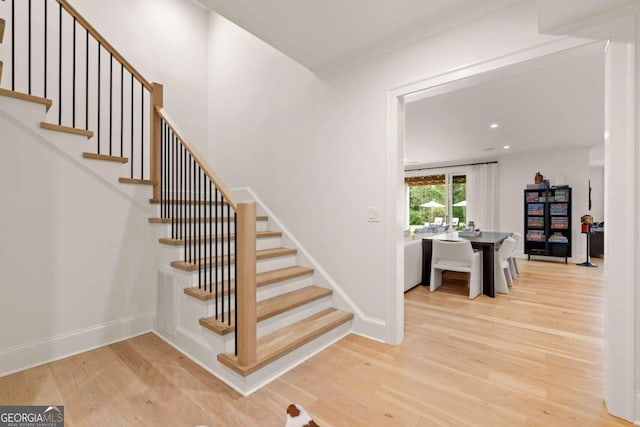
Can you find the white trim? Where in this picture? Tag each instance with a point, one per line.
(441, 83)
(621, 167)
(39, 352)
(363, 324)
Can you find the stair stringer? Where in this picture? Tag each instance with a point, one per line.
(363, 325)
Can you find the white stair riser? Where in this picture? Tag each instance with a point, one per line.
(29, 113)
(263, 293)
(287, 318)
(170, 253)
(164, 230)
(275, 263)
(190, 211)
(279, 288)
(190, 278)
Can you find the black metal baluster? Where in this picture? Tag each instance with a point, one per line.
(188, 206)
(29, 49)
(235, 269)
(45, 47)
(110, 103)
(60, 66)
(215, 256)
(73, 78)
(131, 153)
(172, 145)
(141, 131)
(202, 219)
(86, 79)
(164, 161)
(99, 91)
(175, 197)
(183, 197)
(208, 235)
(175, 187)
(121, 110)
(163, 164)
(221, 264)
(13, 44)
(229, 262)
(193, 211)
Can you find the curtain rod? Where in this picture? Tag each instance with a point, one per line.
(451, 166)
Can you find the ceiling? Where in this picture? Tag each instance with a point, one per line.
(329, 35)
(561, 105)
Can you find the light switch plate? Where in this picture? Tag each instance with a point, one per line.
(373, 214)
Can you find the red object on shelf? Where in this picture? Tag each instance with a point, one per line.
(585, 228)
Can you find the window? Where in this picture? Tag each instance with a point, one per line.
(433, 198)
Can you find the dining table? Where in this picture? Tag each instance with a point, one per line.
(488, 242)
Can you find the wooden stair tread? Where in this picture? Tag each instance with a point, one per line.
(262, 279)
(105, 157)
(26, 97)
(270, 307)
(187, 202)
(282, 342)
(207, 239)
(261, 254)
(136, 181)
(219, 219)
(66, 129)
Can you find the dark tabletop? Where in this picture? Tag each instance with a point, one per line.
(486, 237)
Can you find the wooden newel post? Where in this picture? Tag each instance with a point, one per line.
(246, 283)
(157, 100)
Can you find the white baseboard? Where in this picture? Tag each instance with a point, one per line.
(36, 353)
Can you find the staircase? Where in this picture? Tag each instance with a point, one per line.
(234, 293)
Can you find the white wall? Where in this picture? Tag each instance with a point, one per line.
(596, 176)
(316, 150)
(515, 171)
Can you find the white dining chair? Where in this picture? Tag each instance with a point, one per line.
(513, 265)
(502, 272)
(438, 220)
(456, 256)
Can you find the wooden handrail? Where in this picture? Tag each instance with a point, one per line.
(85, 24)
(157, 101)
(200, 161)
(246, 326)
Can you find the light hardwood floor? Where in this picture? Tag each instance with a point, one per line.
(532, 357)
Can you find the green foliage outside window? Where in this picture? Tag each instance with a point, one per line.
(437, 193)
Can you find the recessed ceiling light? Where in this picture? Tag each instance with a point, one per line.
(494, 126)
(506, 147)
